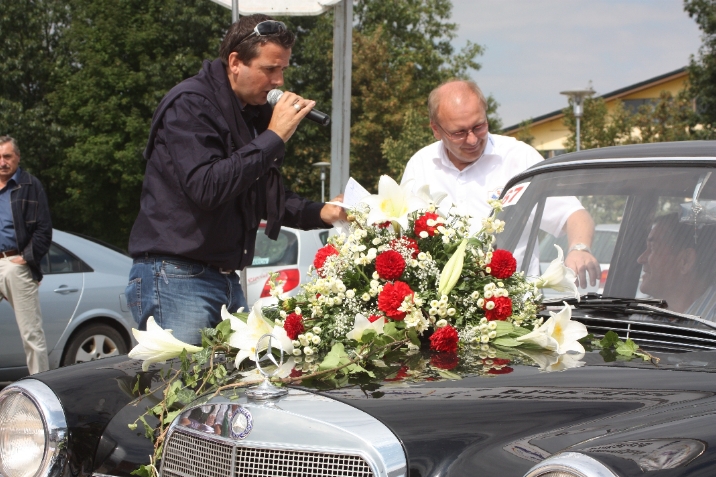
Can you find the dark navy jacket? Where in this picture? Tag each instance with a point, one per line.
(207, 183)
(31, 220)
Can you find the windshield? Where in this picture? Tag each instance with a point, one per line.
(654, 232)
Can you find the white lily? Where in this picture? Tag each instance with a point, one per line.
(362, 324)
(156, 345)
(431, 198)
(559, 277)
(559, 333)
(246, 335)
(551, 362)
(392, 203)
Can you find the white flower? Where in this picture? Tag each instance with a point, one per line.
(362, 324)
(430, 198)
(392, 203)
(246, 335)
(559, 333)
(558, 277)
(555, 362)
(156, 345)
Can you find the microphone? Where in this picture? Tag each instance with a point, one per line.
(316, 116)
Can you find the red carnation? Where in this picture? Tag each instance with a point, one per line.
(502, 309)
(391, 298)
(321, 256)
(503, 264)
(293, 325)
(384, 225)
(505, 370)
(406, 243)
(389, 265)
(296, 373)
(444, 360)
(444, 339)
(421, 224)
(374, 318)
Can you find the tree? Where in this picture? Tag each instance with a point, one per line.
(599, 127)
(401, 51)
(31, 34)
(702, 68)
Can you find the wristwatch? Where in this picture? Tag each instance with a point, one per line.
(580, 247)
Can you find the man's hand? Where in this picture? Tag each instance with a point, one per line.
(332, 213)
(582, 262)
(288, 113)
(19, 260)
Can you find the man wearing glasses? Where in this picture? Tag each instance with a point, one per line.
(213, 157)
(471, 166)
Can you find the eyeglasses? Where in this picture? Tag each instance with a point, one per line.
(462, 135)
(265, 28)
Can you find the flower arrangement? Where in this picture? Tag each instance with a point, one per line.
(404, 277)
(405, 268)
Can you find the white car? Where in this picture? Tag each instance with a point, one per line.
(84, 310)
(290, 255)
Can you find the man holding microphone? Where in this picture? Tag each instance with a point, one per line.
(213, 157)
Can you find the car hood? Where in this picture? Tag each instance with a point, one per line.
(455, 426)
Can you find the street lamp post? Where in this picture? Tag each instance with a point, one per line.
(577, 96)
(322, 166)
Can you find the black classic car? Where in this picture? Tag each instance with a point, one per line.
(594, 415)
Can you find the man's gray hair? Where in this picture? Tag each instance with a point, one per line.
(434, 98)
(11, 140)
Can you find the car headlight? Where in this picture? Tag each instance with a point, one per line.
(570, 464)
(33, 430)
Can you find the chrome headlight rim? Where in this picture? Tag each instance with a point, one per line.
(53, 418)
(575, 463)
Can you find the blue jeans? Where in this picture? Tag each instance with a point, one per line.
(182, 295)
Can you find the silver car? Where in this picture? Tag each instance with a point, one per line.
(290, 255)
(84, 310)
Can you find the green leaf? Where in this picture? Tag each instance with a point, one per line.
(224, 328)
(144, 471)
(447, 374)
(132, 426)
(368, 336)
(610, 339)
(507, 341)
(333, 358)
(170, 416)
(503, 328)
(627, 348)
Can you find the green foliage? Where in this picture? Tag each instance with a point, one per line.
(525, 134)
(702, 68)
(81, 79)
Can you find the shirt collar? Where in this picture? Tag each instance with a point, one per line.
(445, 160)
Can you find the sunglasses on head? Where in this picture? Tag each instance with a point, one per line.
(265, 28)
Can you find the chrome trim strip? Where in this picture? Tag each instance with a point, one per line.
(54, 418)
(304, 421)
(572, 462)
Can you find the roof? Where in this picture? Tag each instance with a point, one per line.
(611, 95)
(683, 152)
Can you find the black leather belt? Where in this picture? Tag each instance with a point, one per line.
(223, 271)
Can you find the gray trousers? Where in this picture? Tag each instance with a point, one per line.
(20, 290)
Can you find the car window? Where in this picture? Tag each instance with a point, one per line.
(59, 260)
(282, 251)
(654, 235)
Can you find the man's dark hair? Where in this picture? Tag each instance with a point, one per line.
(682, 235)
(249, 49)
(16, 148)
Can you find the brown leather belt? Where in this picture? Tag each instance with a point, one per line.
(9, 253)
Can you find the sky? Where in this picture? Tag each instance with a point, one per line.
(536, 48)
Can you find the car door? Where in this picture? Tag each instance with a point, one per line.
(59, 291)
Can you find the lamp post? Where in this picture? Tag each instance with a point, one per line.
(577, 96)
(322, 166)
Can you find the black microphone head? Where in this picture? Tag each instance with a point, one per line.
(273, 96)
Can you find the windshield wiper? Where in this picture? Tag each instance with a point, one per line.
(644, 306)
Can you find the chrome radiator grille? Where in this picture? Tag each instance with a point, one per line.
(186, 455)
